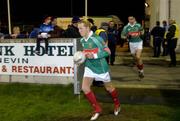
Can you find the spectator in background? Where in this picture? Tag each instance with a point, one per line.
(16, 33)
(158, 34)
(164, 43)
(25, 34)
(58, 31)
(172, 38)
(44, 34)
(165, 25)
(72, 30)
(147, 37)
(112, 41)
(34, 33)
(120, 41)
(93, 27)
(102, 32)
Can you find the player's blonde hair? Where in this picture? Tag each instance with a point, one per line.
(85, 22)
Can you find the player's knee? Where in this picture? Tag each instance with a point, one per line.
(85, 89)
(109, 88)
(138, 58)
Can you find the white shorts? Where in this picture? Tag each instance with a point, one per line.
(105, 77)
(134, 46)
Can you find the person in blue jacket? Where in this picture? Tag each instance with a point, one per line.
(44, 34)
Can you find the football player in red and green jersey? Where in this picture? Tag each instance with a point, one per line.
(132, 32)
(96, 67)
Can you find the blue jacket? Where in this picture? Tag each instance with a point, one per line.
(34, 33)
(46, 28)
(112, 34)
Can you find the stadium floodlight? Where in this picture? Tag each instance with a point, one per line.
(146, 4)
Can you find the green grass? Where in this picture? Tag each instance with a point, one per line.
(36, 102)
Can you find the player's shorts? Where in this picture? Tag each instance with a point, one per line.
(105, 77)
(134, 46)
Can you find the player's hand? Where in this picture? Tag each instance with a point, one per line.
(39, 36)
(48, 35)
(107, 50)
(89, 55)
(129, 36)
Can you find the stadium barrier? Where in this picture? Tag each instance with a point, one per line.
(19, 63)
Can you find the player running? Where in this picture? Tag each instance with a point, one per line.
(132, 32)
(96, 67)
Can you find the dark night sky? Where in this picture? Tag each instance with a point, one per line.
(31, 11)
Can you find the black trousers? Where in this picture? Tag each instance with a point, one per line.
(165, 47)
(38, 44)
(157, 46)
(172, 43)
(121, 42)
(112, 47)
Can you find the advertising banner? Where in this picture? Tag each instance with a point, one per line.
(21, 59)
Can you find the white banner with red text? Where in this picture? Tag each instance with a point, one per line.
(21, 59)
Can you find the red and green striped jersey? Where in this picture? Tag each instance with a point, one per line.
(134, 31)
(97, 65)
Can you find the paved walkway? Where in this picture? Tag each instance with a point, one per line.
(157, 73)
(155, 77)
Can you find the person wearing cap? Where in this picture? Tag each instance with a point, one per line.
(72, 30)
(44, 34)
(102, 31)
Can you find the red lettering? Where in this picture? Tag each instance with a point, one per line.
(48, 69)
(20, 69)
(36, 69)
(25, 69)
(68, 70)
(62, 70)
(55, 70)
(42, 69)
(31, 69)
(14, 69)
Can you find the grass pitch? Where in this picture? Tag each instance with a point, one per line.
(40, 102)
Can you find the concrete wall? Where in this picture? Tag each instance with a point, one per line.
(175, 10)
(163, 10)
(175, 14)
(160, 10)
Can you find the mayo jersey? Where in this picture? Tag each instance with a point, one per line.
(95, 45)
(134, 31)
